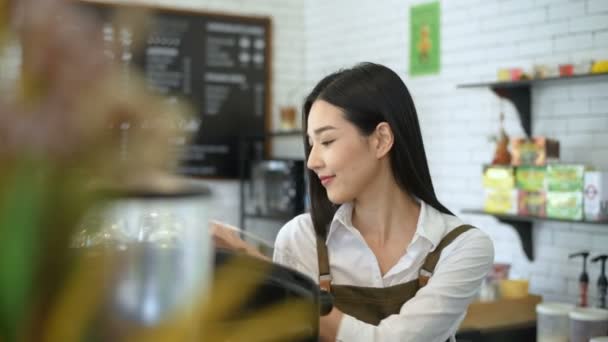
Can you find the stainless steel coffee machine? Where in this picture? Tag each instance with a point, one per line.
(157, 262)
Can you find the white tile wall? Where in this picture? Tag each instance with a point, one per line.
(315, 37)
(478, 37)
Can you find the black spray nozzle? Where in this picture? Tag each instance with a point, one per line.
(602, 282)
(584, 276)
(602, 258)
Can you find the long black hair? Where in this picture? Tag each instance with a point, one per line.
(370, 94)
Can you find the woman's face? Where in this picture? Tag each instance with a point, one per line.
(341, 157)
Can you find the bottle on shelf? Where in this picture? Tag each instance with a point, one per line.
(583, 280)
(602, 282)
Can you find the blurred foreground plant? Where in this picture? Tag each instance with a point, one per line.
(57, 136)
(59, 133)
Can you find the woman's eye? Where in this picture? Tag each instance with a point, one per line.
(327, 143)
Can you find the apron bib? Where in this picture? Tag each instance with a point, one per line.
(372, 304)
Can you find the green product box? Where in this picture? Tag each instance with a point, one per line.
(532, 203)
(530, 178)
(497, 177)
(565, 177)
(565, 205)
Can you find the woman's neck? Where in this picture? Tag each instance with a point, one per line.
(385, 213)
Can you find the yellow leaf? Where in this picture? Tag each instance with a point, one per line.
(79, 299)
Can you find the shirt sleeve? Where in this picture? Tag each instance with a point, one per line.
(436, 311)
(296, 247)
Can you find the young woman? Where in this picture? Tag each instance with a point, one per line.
(400, 265)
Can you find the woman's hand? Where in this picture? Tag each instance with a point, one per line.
(227, 236)
(329, 325)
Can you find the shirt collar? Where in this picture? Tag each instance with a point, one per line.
(431, 225)
(342, 218)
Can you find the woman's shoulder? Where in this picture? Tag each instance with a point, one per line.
(298, 230)
(478, 237)
(473, 239)
(296, 246)
(443, 225)
(453, 222)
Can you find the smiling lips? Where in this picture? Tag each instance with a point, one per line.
(326, 179)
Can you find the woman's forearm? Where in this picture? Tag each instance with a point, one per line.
(329, 325)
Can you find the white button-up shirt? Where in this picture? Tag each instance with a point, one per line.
(436, 311)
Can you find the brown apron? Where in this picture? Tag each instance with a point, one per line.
(373, 304)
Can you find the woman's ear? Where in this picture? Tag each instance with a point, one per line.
(384, 139)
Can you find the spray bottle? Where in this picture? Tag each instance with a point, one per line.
(602, 282)
(583, 280)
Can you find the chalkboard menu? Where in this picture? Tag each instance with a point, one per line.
(220, 63)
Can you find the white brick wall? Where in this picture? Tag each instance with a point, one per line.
(314, 37)
(478, 37)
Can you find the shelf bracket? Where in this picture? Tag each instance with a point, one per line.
(524, 230)
(520, 97)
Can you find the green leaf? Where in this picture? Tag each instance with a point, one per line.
(22, 206)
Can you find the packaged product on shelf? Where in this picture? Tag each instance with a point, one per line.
(516, 74)
(535, 151)
(565, 205)
(565, 177)
(500, 201)
(599, 67)
(583, 67)
(566, 69)
(499, 177)
(596, 196)
(532, 203)
(504, 74)
(530, 178)
(545, 70)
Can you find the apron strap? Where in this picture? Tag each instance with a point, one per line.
(427, 269)
(323, 259)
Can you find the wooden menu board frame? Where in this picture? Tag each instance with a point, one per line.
(241, 144)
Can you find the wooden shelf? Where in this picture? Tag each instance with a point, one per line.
(523, 226)
(289, 133)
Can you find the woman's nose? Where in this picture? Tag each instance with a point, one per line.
(314, 162)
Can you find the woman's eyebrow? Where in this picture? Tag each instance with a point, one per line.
(323, 129)
(319, 131)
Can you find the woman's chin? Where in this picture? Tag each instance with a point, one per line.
(337, 199)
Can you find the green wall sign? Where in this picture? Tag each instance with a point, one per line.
(425, 49)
